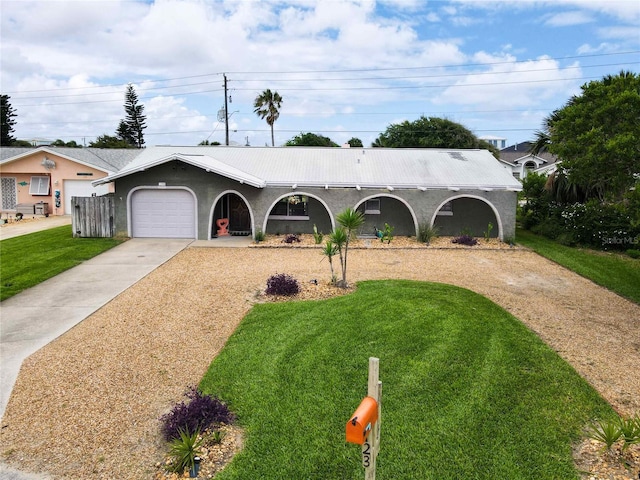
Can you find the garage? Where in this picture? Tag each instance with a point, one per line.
(163, 213)
(80, 188)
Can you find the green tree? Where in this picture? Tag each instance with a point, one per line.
(427, 133)
(107, 141)
(355, 142)
(131, 129)
(62, 143)
(349, 220)
(310, 140)
(267, 106)
(7, 115)
(596, 135)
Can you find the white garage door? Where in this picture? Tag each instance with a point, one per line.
(79, 188)
(163, 214)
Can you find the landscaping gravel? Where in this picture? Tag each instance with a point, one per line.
(87, 405)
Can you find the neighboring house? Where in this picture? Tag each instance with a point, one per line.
(498, 142)
(518, 158)
(43, 180)
(199, 192)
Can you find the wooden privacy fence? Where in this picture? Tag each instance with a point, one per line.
(93, 216)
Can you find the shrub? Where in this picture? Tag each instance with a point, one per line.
(387, 234)
(291, 237)
(282, 284)
(633, 253)
(197, 414)
(184, 449)
(259, 236)
(465, 240)
(426, 233)
(317, 236)
(607, 432)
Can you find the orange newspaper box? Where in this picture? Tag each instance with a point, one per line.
(362, 421)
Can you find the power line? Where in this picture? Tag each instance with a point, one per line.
(361, 70)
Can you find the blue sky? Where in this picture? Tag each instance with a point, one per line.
(344, 68)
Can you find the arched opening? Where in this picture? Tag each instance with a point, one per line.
(467, 215)
(298, 212)
(385, 208)
(230, 215)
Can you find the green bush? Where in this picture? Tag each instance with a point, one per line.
(633, 253)
(426, 233)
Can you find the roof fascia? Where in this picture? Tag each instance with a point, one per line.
(234, 174)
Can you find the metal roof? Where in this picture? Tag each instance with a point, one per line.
(107, 160)
(336, 167)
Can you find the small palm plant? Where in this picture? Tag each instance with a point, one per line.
(606, 431)
(630, 431)
(350, 220)
(184, 450)
(329, 251)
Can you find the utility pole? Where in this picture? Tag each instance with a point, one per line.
(226, 112)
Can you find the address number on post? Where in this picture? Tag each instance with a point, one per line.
(366, 454)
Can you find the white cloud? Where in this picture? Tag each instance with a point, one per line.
(565, 19)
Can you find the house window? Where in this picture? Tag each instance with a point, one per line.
(39, 186)
(372, 207)
(446, 209)
(293, 207)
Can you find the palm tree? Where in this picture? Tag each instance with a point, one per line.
(267, 106)
(350, 220)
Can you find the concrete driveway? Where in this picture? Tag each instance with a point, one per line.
(40, 314)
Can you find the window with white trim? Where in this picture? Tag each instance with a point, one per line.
(39, 186)
(293, 207)
(372, 207)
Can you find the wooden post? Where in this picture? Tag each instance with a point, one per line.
(371, 445)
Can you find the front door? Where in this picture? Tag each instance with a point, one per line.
(8, 193)
(239, 220)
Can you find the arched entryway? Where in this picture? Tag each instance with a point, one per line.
(298, 212)
(230, 215)
(385, 208)
(467, 214)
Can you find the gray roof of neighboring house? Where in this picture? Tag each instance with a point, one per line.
(336, 167)
(521, 150)
(108, 160)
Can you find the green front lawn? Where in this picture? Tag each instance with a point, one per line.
(614, 271)
(27, 260)
(468, 390)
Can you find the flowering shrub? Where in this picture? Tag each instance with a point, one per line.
(599, 224)
(282, 284)
(197, 414)
(465, 240)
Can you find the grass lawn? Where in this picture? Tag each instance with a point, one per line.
(468, 391)
(618, 273)
(30, 259)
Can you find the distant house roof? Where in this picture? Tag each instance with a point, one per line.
(296, 167)
(521, 151)
(107, 160)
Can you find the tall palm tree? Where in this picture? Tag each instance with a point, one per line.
(267, 106)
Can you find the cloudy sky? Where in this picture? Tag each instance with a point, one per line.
(345, 68)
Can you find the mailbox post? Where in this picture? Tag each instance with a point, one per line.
(364, 425)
